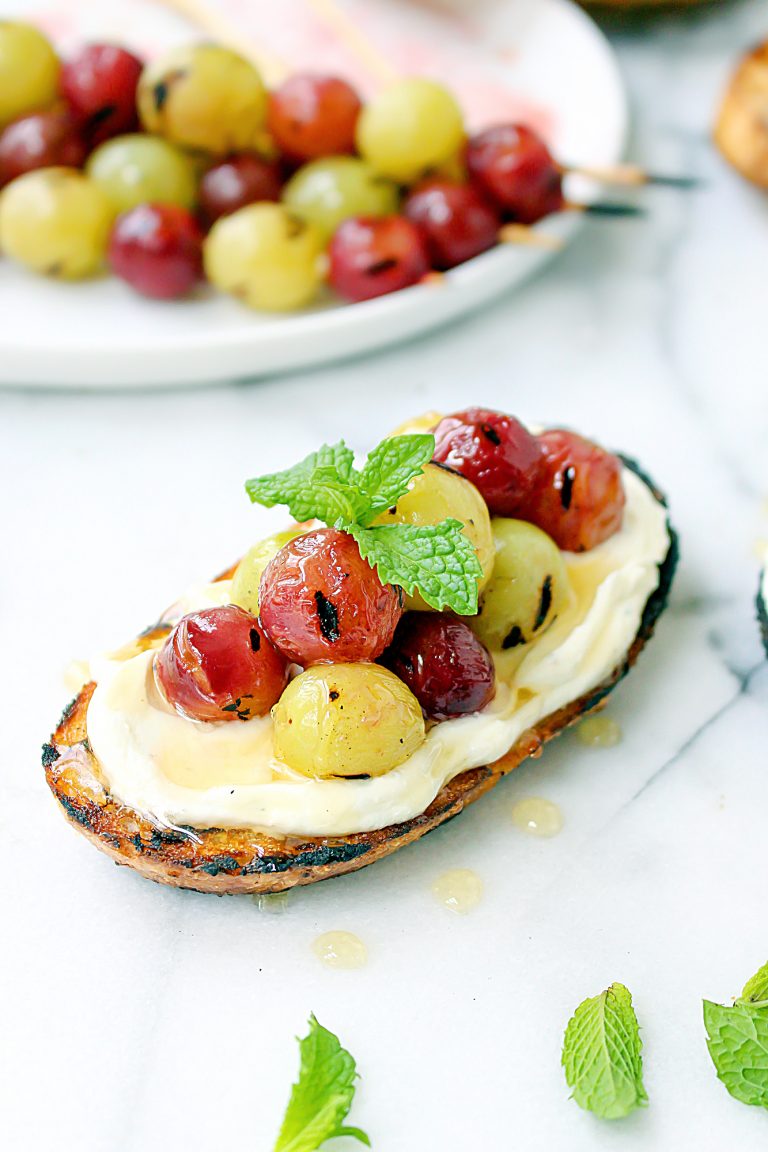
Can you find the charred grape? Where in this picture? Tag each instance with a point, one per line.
(139, 169)
(218, 664)
(371, 257)
(456, 222)
(494, 451)
(528, 589)
(310, 116)
(99, 84)
(347, 720)
(579, 496)
(512, 165)
(247, 577)
(410, 127)
(235, 182)
(43, 140)
(158, 250)
(321, 601)
(329, 191)
(439, 657)
(29, 71)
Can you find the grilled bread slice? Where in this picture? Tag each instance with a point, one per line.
(232, 860)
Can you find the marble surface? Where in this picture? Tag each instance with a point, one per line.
(138, 1017)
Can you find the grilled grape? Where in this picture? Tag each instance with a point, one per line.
(579, 495)
(217, 664)
(43, 140)
(29, 71)
(347, 720)
(247, 577)
(56, 221)
(443, 663)
(204, 96)
(326, 192)
(265, 256)
(310, 116)
(439, 494)
(455, 221)
(492, 450)
(512, 165)
(528, 589)
(99, 84)
(158, 250)
(140, 169)
(372, 257)
(321, 601)
(235, 182)
(410, 127)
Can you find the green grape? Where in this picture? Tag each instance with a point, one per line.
(138, 169)
(346, 720)
(409, 128)
(437, 495)
(29, 71)
(247, 577)
(528, 589)
(56, 221)
(327, 191)
(265, 256)
(204, 96)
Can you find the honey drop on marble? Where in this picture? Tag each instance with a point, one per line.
(460, 889)
(340, 950)
(599, 732)
(274, 903)
(537, 816)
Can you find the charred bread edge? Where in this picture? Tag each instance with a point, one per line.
(237, 860)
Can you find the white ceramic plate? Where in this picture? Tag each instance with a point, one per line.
(541, 60)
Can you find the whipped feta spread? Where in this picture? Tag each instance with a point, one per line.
(179, 771)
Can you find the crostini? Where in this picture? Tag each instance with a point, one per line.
(430, 620)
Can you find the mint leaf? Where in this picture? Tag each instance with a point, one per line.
(737, 1039)
(313, 486)
(601, 1055)
(756, 988)
(322, 1095)
(389, 469)
(436, 559)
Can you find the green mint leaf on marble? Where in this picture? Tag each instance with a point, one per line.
(322, 1096)
(389, 469)
(756, 988)
(737, 1039)
(436, 560)
(602, 1055)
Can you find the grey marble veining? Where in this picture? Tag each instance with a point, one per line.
(138, 1017)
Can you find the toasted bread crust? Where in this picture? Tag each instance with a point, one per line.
(238, 860)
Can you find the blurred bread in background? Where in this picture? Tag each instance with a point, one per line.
(741, 129)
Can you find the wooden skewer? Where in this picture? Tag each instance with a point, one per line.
(603, 208)
(529, 237)
(357, 43)
(631, 176)
(211, 21)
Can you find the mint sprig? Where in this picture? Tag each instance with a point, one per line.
(437, 560)
(737, 1039)
(322, 1096)
(602, 1055)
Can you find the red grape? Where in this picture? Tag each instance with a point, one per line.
(449, 670)
(454, 219)
(99, 84)
(235, 182)
(579, 496)
(218, 664)
(321, 602)
(494, 451)
(373, 256)
(157, 249)
(311, 116)
(512, 165)
(44, 140)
